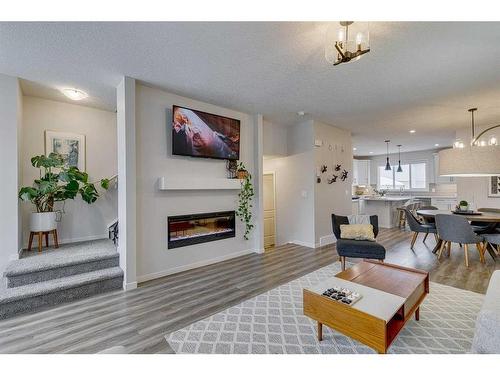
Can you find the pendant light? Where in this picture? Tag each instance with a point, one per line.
(478, 158)
(387, 164)
(399, 161)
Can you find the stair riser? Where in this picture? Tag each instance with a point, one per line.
(57, 273)
(33, 304)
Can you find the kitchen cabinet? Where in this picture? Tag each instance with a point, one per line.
(360, 172)
(447, 204)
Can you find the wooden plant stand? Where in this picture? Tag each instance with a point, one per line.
(40, 236)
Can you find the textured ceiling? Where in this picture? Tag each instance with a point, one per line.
(420, 76)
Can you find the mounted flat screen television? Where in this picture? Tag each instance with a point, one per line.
(205, 135)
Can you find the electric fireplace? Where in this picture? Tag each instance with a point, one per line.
(192, 229)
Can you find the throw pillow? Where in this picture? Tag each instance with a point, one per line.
(357, 232)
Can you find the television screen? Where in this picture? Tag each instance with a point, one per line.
(201, 134)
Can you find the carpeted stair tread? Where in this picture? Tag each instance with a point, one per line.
(51, 286)
(68, 255)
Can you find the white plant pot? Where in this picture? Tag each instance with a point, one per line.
(464, 208)
(43, 221)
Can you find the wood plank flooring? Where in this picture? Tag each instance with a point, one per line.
(140, 318)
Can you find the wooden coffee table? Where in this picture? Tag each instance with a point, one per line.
(391, 294)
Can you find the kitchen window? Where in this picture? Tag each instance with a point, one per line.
(413, 177)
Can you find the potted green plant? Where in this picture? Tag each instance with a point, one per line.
(56, 183)
(242, 172)
(463, 205)
(246, 194)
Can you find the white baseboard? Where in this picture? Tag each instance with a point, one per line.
(306, 244)
(129, 286)
(327, 240)
(171, 271)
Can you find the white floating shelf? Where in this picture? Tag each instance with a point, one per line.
(180, 183)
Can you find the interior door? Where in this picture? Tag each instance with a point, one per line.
(269, 211)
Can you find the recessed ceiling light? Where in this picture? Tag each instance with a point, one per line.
(301, 113)
(371, 152)
(436, 145)
(412, 131)
(354, 148)
(75, 94)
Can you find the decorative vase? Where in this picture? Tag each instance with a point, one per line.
(464, 208)
(43, 221)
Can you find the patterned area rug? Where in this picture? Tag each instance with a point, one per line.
(273, 322)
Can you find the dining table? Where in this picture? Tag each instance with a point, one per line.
(485, 216)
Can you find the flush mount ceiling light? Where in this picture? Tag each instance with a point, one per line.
(387, 164)
(348, 43)
(75, 94)
(399, 161)
(479, 158)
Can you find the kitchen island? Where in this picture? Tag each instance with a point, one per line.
(384, 207)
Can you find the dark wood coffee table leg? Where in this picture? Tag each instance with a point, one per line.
(320, 331)
(417, 314)
(438, 245)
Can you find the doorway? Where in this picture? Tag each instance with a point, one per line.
(269, 189)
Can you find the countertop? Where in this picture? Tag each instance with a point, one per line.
(387, 199)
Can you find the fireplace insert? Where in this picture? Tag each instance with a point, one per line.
(193, 229)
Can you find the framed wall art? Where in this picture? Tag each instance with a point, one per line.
(70, 145)
(494, 186)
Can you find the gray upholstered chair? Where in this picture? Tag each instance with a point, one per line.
(454, 228)
(490, 242)
(356, 248)
(417, 227)
(481, 227)
(428, 220)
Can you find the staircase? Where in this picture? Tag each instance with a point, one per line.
(61, 275)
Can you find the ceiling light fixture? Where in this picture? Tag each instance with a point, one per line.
(479, 158)
(349, 45)
(436, 145)
(75, 94)
(412, 131)
(354, 148)
(387, 164)
(399, 161)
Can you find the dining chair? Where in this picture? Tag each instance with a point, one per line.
(456, 229)
(428, 220)
(417, 227)
(492, 242)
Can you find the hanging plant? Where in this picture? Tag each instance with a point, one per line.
(246, 194)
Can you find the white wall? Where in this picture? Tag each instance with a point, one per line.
(81, 221)
(10, 123)
(155, 159)
(336, 197)
(275, 139)
(475, 189)
(304, 207)
(294, 197)
(127, 177)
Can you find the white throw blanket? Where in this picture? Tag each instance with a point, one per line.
(359, 219)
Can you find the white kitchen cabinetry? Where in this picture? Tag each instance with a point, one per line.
(441, 179)
(447, 204)
(360, 172)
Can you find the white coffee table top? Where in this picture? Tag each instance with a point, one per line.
(375, 302)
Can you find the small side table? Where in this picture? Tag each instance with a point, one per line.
(40, 236)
